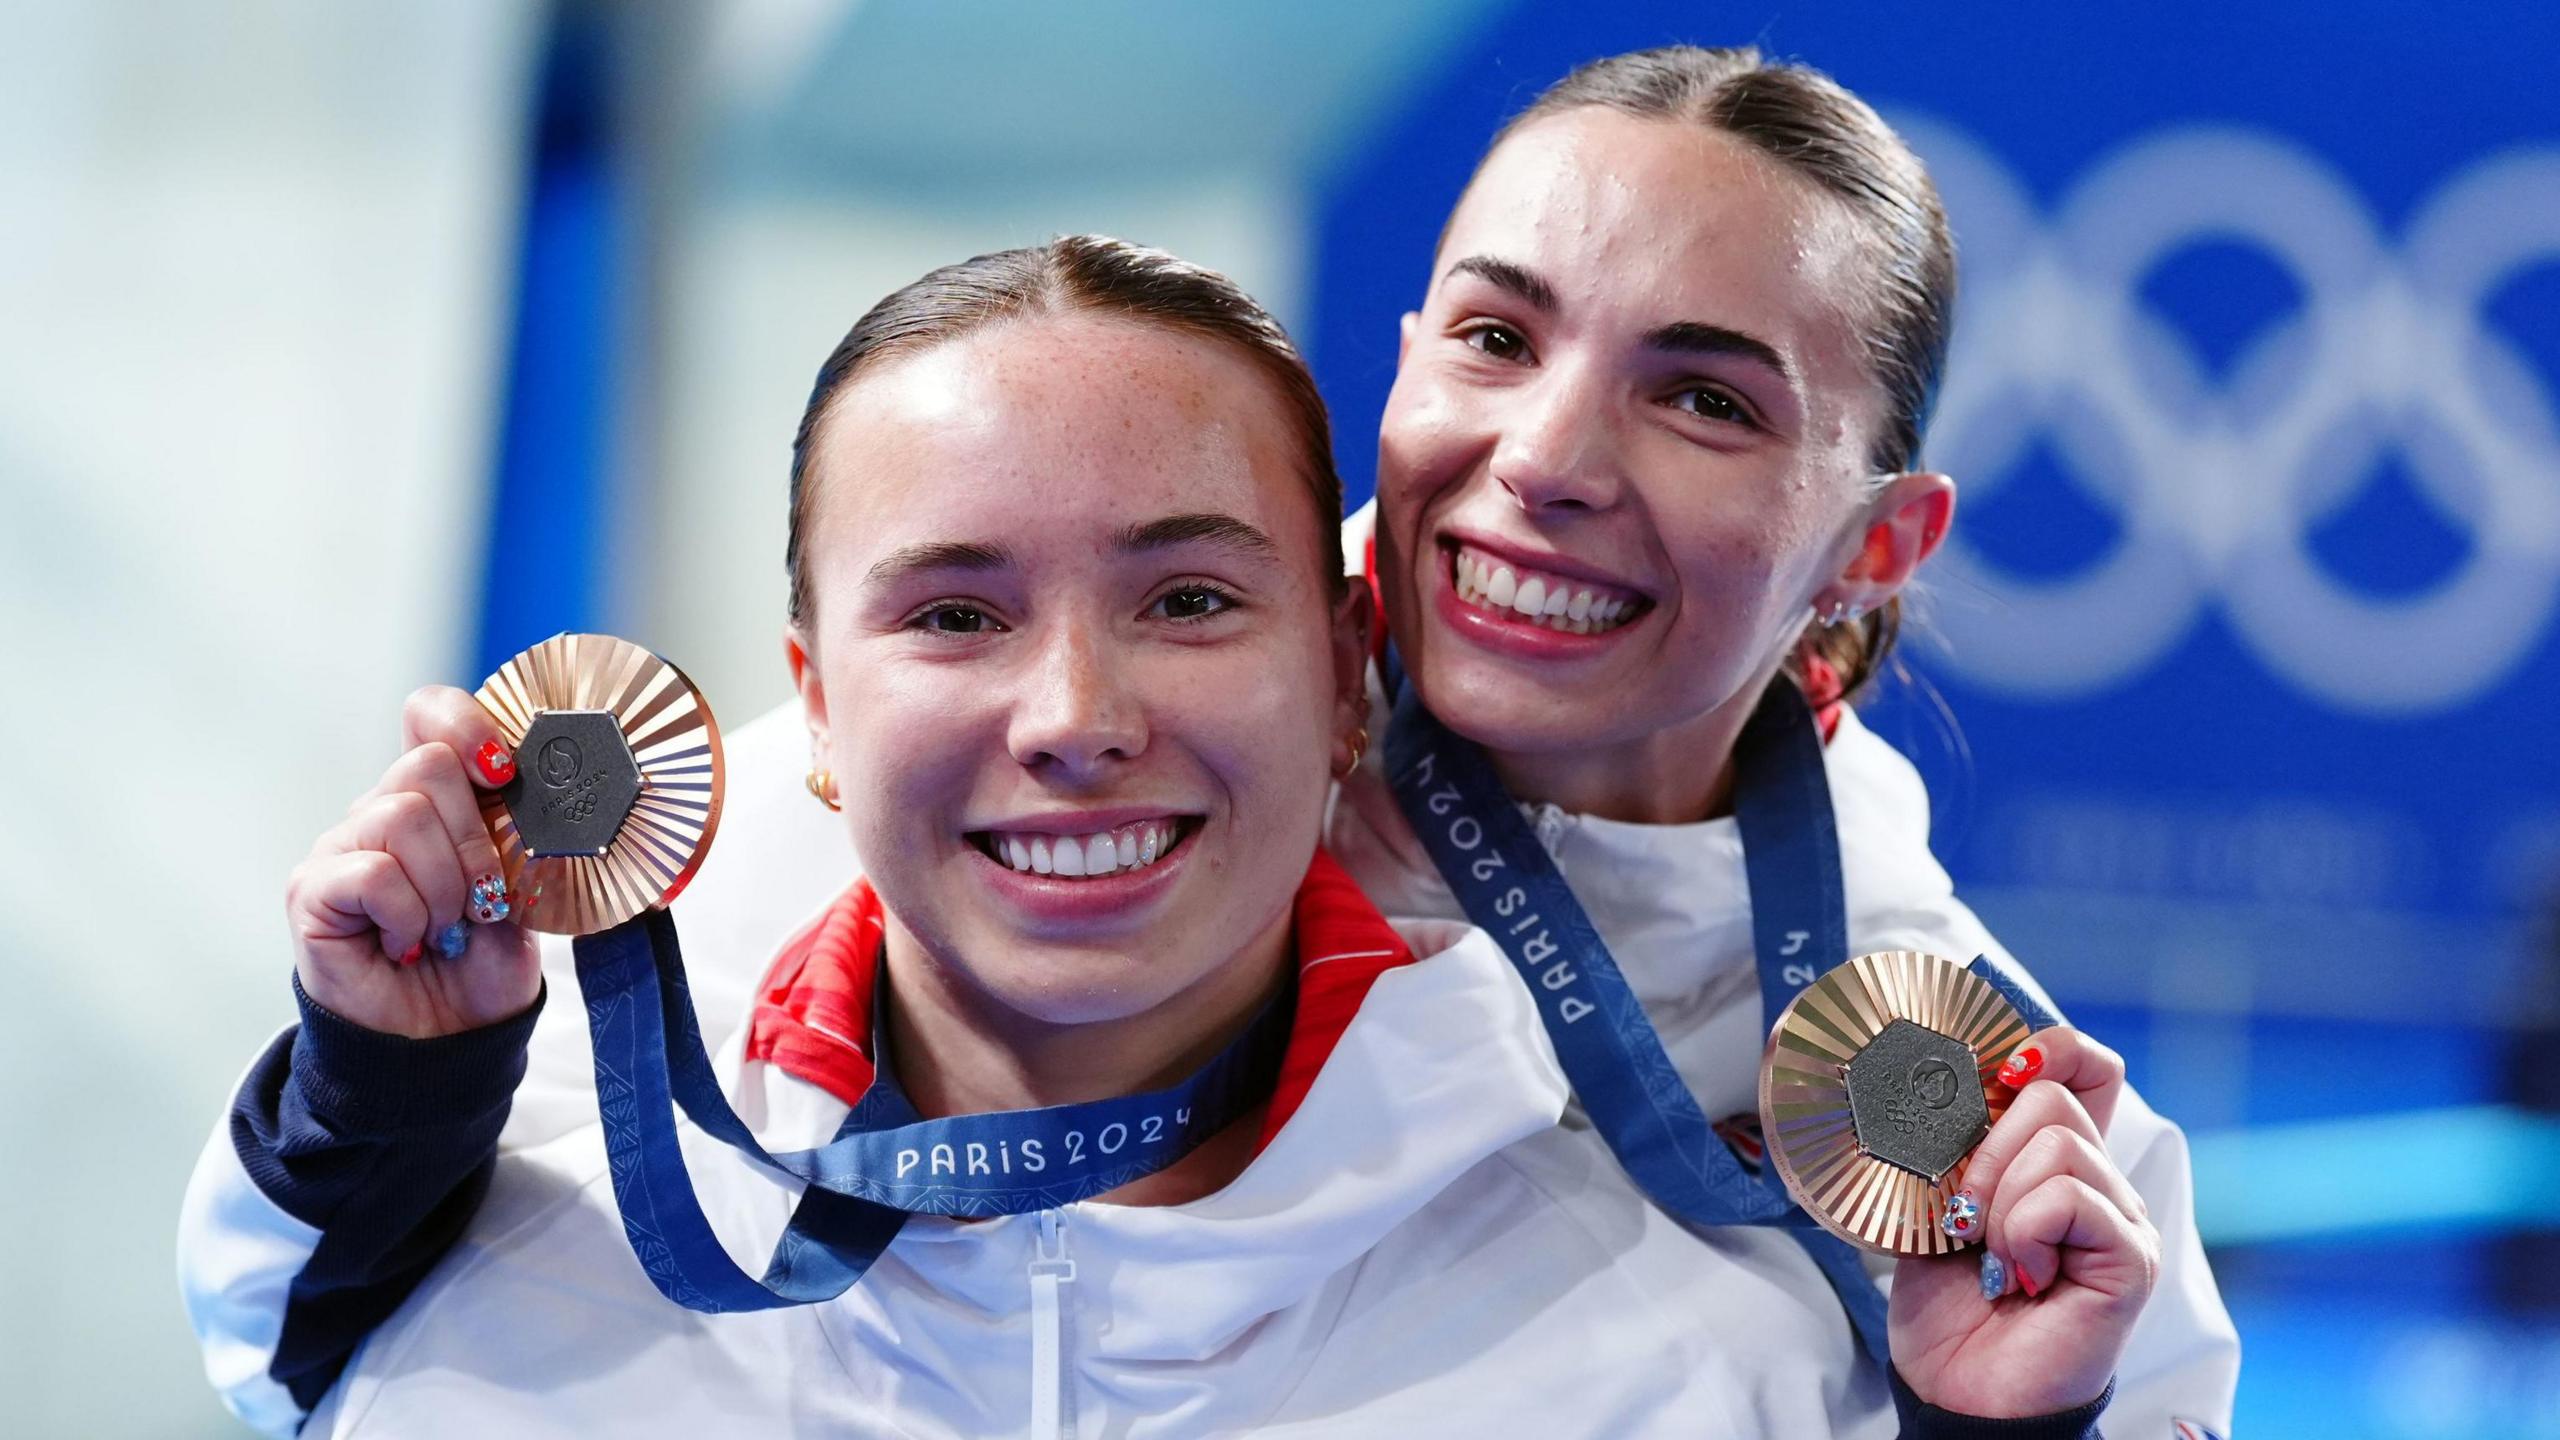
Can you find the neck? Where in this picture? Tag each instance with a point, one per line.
(1677, 775)
(957, 1050)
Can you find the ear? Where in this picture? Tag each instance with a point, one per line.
(813, 691)
(1906, 521)
(1404, 334)
(1354, 621)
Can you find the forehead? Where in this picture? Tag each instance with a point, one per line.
(1640, 221)
(1048, 429)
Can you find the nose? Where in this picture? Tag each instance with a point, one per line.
(1558, 446)
(1076, 713)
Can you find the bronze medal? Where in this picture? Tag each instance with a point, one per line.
(1876, 1086)
(617, 787)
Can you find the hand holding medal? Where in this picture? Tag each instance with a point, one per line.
(413, 915)
(1910, 1113)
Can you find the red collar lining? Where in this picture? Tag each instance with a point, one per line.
(812, 1017)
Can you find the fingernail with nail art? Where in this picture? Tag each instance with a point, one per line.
(489, 899)
(496, 765)
(1963, 1219)
(2022, 1068)
(454, 939)
(1995, 1276)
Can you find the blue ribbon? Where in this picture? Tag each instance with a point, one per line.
(885, 1162)
(1508, 885)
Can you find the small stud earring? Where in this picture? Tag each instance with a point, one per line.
(822, 783)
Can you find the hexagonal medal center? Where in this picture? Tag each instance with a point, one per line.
(1915, 1099)
(575, 782)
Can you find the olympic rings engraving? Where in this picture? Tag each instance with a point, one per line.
(2214, 484)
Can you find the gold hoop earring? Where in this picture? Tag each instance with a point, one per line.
(822, 784)
(1359, 742)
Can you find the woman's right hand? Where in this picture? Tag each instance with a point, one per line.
(380, 892)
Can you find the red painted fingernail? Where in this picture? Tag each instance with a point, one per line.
(410, 955)
(2027, 1283)
(496, 765)
(2022, 1067)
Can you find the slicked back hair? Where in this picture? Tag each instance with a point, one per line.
(1091, 274)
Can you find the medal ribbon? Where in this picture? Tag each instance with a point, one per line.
(884, 1164)
(1509, 886)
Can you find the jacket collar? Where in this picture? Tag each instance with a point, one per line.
(1414, 1056)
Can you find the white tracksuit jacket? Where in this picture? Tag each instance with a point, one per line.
(1419, 1252)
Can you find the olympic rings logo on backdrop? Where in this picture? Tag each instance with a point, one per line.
(2214, 485)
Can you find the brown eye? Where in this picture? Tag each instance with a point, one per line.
(954, 620)
(1193, 602)
(1710, 404)
(1499, 341)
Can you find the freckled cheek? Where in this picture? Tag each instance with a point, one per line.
(908, 749)
(1258, 736)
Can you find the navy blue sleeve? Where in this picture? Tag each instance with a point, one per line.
(1924, 1421)
(383, 1144)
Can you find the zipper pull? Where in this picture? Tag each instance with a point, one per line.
(1051, 1411)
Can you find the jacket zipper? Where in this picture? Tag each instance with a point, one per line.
(1053, 1413)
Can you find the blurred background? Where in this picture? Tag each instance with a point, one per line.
(349, 347)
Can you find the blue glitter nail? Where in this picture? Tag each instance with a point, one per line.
(489, 899)
(454, 939)
(1995, 1276)
(1963, 1216)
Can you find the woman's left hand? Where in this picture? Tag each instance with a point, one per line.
(2034, 1319)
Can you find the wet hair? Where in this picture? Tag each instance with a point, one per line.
(1808, 123)
(1087, 274)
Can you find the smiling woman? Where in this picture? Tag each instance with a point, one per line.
(1077, 624)
(1649, 490)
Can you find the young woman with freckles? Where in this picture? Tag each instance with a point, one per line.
(1077, 659)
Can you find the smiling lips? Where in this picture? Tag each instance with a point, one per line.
(1083, 857)
(1535, 597)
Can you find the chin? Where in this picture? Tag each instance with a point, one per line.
(1491, 705)
(1072, 986)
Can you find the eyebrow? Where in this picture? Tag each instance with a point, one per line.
(1508, 276)
(915, 559)
(1206, 528)
(1680, 337)
(1690, 337)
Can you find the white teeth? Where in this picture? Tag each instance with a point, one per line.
(1079, 857)
(1537, 599)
